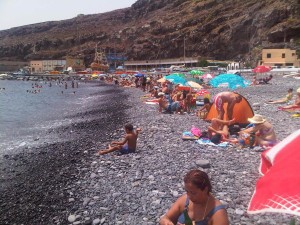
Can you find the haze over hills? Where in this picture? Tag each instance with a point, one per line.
(157, 29)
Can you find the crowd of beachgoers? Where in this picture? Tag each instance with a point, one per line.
(141, 187)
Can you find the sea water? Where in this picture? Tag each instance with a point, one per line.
(29, 109)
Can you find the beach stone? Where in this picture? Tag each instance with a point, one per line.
(96, 221)
(71, 218)
(203, 163)
(239, 211)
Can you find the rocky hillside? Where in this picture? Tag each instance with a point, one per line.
(154, 29)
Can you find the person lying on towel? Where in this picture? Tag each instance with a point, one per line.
(296, 103)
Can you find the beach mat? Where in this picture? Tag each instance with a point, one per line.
(205, 141)
(188, 136)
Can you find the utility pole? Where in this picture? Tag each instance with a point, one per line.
(184, 49)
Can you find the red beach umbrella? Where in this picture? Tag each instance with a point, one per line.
(261, 69)
(203, 93)
(279, 187)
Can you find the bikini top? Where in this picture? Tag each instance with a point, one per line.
(182, 218)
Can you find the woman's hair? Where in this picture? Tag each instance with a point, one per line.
(290, 90)
(206, 100)
(198, 178)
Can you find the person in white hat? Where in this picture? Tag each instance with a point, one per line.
(264, 131)
(296, 103)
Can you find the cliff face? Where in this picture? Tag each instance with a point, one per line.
(154, 29)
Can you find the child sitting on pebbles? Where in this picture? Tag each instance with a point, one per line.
(128, 145)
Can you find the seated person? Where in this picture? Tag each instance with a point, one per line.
(128, 145)
(165, 105)
(263, 130)
(154, 92)
(198, 205)
(286, 99)
(296, 103)
(254, 81)
(218, 130)
(202, 112)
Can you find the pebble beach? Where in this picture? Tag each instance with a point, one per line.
(68, 183)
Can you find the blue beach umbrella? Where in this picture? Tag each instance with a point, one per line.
(231, 80)
(176, 79)
(139, 75)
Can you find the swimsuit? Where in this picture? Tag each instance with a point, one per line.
(218, 102)
(182, 218)
(126, 150)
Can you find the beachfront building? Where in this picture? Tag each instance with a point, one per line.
(76, 63)
(280, 58)
(54, 65)
(36, 66)
(168, 63)
(42, 66)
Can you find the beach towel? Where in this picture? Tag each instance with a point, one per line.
(205, 141)
(279, 187)
(186, 135)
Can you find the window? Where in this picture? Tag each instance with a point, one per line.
(283, 55)
(269, 55)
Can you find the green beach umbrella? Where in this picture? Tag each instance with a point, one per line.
(196, 72)
(178, 74)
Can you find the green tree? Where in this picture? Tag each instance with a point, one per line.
(202, 62)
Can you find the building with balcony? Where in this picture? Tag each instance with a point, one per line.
(280, 58)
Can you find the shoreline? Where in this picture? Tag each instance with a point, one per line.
(139, 188)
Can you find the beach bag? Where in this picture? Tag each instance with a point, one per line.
(196, 131)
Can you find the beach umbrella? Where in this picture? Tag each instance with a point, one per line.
(230, 80)
(196, 72)
(176, 79)
(279, 187)
(139, 75)
(262, 69)
(193, 85)
(207, 76)
(161, 80)
(178, 74)
(123, 75)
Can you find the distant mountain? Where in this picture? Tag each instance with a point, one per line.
(157, 29)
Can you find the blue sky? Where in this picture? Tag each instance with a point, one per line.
(14, 13)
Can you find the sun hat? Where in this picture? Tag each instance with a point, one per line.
(161, 94)
(257, 119)
(298, 90)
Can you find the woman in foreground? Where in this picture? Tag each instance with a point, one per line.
(198, 206)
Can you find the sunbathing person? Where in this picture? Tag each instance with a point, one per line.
(296, 103)
(286, 99)
(265, 80)
(128, 145)
(165, 105)
(254, 81)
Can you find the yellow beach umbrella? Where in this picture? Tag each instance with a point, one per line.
(161, 80)
(194, 85)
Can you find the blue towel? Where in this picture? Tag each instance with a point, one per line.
(205, 141)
